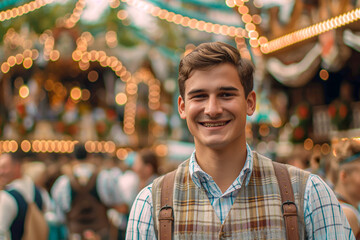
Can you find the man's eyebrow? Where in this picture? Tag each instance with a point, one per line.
(230, 88)
(196, 91)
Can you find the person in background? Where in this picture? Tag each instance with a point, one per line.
(146, 166)
(88, 187)
(37, 171)
(347, 180)
(19, 189)
(316, 163)
(226, 190)
(141, 170)
(128, 182)
(298, 157)
(6, 171)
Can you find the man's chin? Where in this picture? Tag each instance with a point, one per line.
(215, 145)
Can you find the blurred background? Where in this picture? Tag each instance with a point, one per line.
(104, 72)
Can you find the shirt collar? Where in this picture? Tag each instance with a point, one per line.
(198, 175)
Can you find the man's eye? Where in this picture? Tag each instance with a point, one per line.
(226, 95)
(199, 96)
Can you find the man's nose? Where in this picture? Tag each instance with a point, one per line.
(213, 107)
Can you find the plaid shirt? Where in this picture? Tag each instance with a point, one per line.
(320, 218)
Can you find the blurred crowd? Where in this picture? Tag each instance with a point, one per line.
(84, 196)
(89, 196)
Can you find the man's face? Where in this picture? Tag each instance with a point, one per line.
(215, 107)
(352, 181)
(138, 166)
(7, 169)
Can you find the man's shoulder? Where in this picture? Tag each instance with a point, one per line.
(61, 180)
(6, 198)
(296, 174)
(263, 158)
(60, 185)
(145, 195)
(180, 168)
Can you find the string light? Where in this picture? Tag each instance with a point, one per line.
(23, 9)
(105, 61)
(129, 98)
(85, 94)
(111, 39)
(161, 150)
(29, 55)
(49, 43)
(241, 46)
(308, 144)
(24, 91)
(100, 146)
(114, 3)
(93, 76)
(122, 14)
(84, 57)
(145, 76)
(8, 146)
(309, 32)
(26, 58)
(324, 75)
(75, 93)
(122, 153)
(12, 40)
(186, 21)
(74, 17)
(56, 146)
(121, 98)
(250, 21)
(25, 146)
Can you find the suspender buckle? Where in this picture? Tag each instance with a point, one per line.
(289, 208)
(166, 207)
(165, 214)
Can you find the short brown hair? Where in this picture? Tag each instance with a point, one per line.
(208, 55)
(149, 157)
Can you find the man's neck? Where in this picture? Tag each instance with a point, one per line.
(224, 165)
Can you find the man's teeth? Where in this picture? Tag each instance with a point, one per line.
(214, 124)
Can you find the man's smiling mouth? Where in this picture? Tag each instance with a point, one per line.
(214, 124)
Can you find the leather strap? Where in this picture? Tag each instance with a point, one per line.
(288, 206)
(166, 215)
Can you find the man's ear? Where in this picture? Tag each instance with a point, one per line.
(181, 107)
(251, 103)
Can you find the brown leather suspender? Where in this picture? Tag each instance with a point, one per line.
(288, 206)
(166, 215)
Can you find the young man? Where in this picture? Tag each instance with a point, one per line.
(225, 190)
(19, 191)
